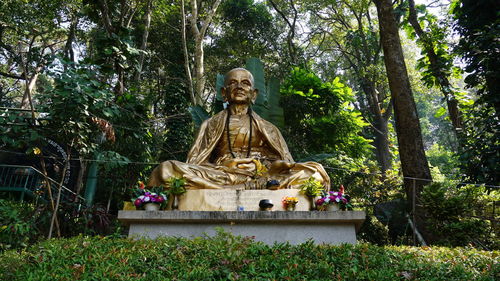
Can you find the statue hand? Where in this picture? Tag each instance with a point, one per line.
(279, 166)
(240, 163)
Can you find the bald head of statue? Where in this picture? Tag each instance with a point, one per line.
(239, 87)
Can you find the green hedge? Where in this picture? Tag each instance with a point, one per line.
(228, 257)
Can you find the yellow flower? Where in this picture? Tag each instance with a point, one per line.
(37, 150)
(260, 169)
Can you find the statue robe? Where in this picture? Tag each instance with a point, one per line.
(203, 172)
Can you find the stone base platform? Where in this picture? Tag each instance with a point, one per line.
(269, 227)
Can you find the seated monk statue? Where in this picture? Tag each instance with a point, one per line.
(237, 149)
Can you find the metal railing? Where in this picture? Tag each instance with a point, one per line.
(28, 181)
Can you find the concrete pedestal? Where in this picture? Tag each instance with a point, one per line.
(269, 227)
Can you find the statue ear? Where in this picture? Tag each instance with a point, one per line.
(223, 92)
(255, 92)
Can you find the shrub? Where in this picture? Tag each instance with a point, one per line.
(226, 257)
(18, 222)
(460, 216)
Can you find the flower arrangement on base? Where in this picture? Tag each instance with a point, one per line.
(333, 198)
(312, 188)
(289, 202)
(143, 196)
(176, 187)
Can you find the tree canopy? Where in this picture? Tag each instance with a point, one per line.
(121, 85)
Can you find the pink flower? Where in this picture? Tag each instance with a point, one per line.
(138, 202)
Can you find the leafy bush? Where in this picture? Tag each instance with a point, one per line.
(18, 222)
(320, 116)
(373, 231)
(460, 216)
(22, 223)
(226, 257)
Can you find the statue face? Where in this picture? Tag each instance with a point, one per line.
(238, 87)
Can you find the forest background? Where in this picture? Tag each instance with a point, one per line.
(398, 100)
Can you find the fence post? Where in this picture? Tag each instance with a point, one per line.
(91, 186)
(413, 213)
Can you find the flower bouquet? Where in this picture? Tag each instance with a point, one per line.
(312, 188)
(289, 202)
(142, 197)
(334, 200)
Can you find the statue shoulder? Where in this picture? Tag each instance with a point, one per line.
(214, 121)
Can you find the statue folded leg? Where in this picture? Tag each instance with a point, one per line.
(300, 173)
(197, 176)
(219, 177)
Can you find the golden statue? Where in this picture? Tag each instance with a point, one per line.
(237, 149)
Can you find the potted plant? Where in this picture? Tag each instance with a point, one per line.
(176, 187)
(152, 199)
(312, 188)
(289, 202)
(333, 201)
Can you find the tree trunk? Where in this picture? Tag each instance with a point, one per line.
(69, 54)
(187, 67)
(30, 86)
(411, 149)
(79, 181)
(382, 143)
(380, 125)
(199, 72)
(145, 35)
(199, 35)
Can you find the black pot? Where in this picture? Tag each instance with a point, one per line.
(266, 204)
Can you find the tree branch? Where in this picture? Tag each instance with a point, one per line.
(14, 76)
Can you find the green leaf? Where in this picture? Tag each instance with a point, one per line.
(440, 112)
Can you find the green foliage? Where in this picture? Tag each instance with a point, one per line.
(75, 219)
(18, 224)
(22, 224)
(176, 186)
(445, 160)
(247, 28)
(479, 25)
(72, 101)
(461, 216)
(311, 188)
(434, 38)
(374, 232)
(226, 257)
(320, 118)
(16, 130)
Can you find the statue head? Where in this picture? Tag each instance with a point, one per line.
(239, 87)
